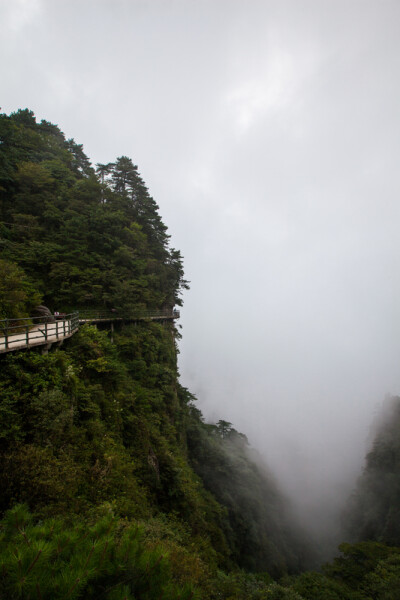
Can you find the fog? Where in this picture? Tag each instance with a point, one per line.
(268, 133)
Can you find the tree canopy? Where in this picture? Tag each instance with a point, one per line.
(83, 238)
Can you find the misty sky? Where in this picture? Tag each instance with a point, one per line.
(268, 133)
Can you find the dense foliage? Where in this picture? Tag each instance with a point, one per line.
(83, 240)
(107, 560)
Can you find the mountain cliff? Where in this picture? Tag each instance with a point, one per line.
(99, 428)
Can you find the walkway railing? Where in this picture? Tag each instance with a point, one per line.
(137, 315)
(16, 334)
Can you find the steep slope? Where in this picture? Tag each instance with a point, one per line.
(374, 509)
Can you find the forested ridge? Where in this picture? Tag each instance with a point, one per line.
(112, 485)
(373, 511)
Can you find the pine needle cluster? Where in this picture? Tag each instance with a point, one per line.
(108, 560)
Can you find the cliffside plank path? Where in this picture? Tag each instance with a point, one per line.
(30, 332)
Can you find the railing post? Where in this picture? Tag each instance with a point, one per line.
(45, 331)
(6, 334)
(27, 335)
(64, 326)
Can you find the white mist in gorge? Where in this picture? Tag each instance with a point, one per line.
(268, 133)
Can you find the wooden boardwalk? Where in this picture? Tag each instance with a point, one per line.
(17, 334)
(20, 334)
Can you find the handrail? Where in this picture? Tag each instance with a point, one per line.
(128, 316)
